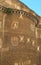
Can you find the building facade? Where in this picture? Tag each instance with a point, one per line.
(20, 34)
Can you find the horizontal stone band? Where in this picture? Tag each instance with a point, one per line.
(10, 11)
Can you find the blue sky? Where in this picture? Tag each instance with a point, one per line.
(34, 5)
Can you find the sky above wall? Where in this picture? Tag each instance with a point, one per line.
(34, 5)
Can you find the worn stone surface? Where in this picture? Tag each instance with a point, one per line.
(20, 34)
